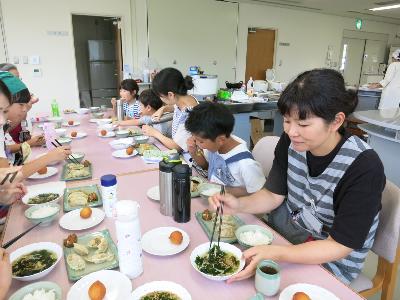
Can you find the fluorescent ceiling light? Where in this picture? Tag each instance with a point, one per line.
(385, 7)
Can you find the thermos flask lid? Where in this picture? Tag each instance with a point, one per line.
(166, 166)
(181, 171)
(108, 180)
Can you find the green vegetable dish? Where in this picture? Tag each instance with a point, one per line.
(217, 262)
(43, 198)
(33, 262)
(160, 295)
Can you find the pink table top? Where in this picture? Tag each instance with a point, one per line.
(175, 268)
(97, 150)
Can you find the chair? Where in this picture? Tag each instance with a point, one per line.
(263, 152)
(386, 246)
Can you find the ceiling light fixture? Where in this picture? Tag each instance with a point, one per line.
(385, 7)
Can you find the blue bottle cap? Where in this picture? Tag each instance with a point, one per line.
(108, 180)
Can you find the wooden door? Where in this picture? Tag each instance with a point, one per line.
(260, 53)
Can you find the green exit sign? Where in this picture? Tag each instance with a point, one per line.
(359, 24)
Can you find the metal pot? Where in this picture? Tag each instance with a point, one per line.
(230, 85)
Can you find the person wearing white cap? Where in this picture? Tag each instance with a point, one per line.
(391, 84)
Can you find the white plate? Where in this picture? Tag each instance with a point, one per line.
(80, 135)
(51, 187)
(154, 193)
(76, 123)
(33, 247)
(121, 143)
(51, 171)
(156, 241)
(313, 291)
(122, 154)
(203, 249)
(167, 286)
(108, 135)
(73, 221)
(118, 286)
(55, 119)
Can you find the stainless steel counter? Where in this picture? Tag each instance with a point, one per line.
(383, 128)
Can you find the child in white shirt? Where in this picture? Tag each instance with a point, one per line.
(226, 157)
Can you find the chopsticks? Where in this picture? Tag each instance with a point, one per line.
(13, 175)
(222, 192)
(70, 157)
(219, 213)
(9, 243)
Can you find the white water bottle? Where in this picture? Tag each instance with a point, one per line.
(129, 238)
(109, 193)
(250, 84)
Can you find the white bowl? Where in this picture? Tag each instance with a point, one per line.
(94, 109)
(203, 249)
(51, 187)
(29, 289)
(65, 141)
(46, 220)
(61, 132)
(103, 121)
(83, 111)
(141, 139)
(122, 133)
(121, 143)
(33, 247)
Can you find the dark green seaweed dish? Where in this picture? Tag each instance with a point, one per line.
(160, 295)
(33, 262)
(217, 262)
(43, 198)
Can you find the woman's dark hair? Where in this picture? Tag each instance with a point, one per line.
(210, 120)
(171, 80)
(319, 92)
(130, 85)
(148, 97)
(5, 91)
(7, 67)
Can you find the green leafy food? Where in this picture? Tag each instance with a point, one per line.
(43, 198)
(160, 295)
(217, 262)
(33, 262)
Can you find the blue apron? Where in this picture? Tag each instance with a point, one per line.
(218, 167)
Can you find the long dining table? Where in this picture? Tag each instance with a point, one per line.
(135, 178)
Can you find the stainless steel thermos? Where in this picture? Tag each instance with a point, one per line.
(165, 184)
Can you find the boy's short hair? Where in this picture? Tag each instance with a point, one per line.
(148, 97)
(210, 120)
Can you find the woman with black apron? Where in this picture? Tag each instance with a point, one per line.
(324, 190)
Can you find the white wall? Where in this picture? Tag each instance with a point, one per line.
(309, 35)
(26, 24)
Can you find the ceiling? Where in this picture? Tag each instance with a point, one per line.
(347, 8)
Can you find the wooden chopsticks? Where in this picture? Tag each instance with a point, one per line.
(219, 213)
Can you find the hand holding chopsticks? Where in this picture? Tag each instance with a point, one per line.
(12, 241)
(70, 157)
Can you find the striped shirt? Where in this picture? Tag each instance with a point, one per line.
(304, 189)
(132, 111)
